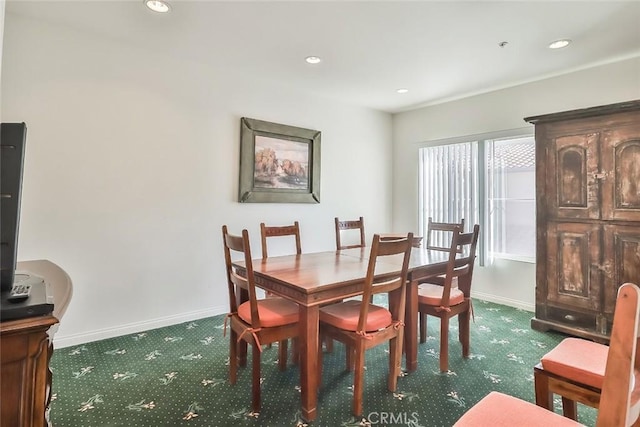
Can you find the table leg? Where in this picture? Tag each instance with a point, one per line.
(411, 327)
(309, 319)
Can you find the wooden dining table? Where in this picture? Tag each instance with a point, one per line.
(314, 279)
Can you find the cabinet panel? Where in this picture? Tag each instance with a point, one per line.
(621, 187)
(572, 184)
(622, 260)
(572, 251)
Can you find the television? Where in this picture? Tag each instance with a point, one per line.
(12, 143)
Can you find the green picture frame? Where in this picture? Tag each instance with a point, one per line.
(278, 163)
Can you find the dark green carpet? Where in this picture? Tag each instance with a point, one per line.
(177, 376)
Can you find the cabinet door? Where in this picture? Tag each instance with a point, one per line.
(572, 281)
(620, 155)
(621, 260)
(572, 185)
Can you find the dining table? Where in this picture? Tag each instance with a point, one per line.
(315, 279)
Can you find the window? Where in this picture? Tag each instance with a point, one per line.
(489, 182)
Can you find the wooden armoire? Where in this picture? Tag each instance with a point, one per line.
(587, 216)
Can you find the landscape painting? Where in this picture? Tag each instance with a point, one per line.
(280, 163)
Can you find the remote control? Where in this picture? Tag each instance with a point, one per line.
(19, 293)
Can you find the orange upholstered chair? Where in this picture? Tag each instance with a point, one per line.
(574, 369)
(341, 226)
(446, 301)
(361, 325)
(267, 232)
(619, 402)
(253, 321)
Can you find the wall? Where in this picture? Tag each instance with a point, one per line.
(132, 165)
(507, 282)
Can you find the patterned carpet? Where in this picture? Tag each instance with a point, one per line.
(177, 376)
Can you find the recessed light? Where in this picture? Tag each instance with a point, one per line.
(159, 6)
(402, 90)
(313, 59)
(559, 44)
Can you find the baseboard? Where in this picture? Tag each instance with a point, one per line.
(62, 341)
(505, 301)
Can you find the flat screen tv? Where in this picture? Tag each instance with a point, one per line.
(12, 142)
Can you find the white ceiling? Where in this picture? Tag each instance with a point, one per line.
(439, 50)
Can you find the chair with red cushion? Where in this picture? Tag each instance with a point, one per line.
(361, 325)
(620, 398)
(252, 320)
(276, 231)
(446, 301)
(574, 369)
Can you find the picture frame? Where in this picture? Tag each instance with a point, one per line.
(278, 163)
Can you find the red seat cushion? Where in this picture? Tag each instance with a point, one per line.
(345, 315)
(580, 360)
(500, 410)
(272, 311)
(431, 294)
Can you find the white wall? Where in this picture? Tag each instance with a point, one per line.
(508, 282)
(132, 166)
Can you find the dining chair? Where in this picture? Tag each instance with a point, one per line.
(341, 226)
(254, 321)
(575, 370)
(279, 231)
(446, 301)
(361, 325)
(619, 402)
(439, 234)
(267, 232)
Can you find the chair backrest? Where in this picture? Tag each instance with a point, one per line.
(349, 225)
(462, 256)
(278, 231)
(439, 234)
(240, 285)
(620, 397)
(393, 251)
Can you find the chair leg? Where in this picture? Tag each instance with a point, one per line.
(358, 380)
(282, 355)
(423, 328)
(444, 344)
(295, 351)
(544, 398)
(233, 357)
(242, 353)
(395, 357)
(569, 408)
(255, 378)
(350, 358)
(463, 332)
(328, 342)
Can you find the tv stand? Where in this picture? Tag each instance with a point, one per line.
(25, 390)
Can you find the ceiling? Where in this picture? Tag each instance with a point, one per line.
(438, 50)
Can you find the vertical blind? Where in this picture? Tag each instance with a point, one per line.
(449, 185)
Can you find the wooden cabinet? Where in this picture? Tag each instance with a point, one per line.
(587, 215)
(25, 350)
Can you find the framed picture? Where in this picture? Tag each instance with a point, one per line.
(278, 163)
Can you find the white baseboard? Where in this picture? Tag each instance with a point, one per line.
(505, 301)
(62, 341)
